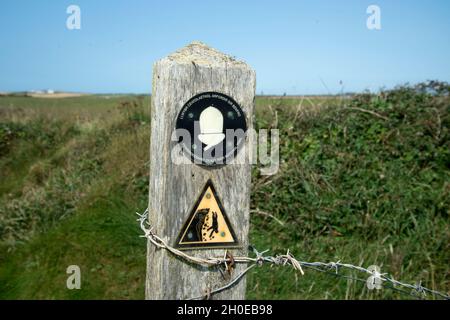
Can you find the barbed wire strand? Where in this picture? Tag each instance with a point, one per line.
(417, 290)
(361, 280)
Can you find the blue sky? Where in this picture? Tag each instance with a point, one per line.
(297, 47)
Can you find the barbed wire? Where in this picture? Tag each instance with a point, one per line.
(416, 290)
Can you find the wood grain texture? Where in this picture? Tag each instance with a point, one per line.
(174, 188)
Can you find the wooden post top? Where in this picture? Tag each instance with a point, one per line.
(199, 54)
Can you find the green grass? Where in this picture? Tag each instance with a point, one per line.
(352, 186)
(101, 240)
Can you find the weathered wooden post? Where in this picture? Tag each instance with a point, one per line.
(199, 197)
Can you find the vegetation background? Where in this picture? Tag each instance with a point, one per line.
(363, 179)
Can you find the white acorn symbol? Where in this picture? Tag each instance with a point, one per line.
(211, 127)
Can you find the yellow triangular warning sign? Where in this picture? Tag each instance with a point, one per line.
(207, 225)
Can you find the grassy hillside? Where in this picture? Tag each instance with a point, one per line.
(365, 181)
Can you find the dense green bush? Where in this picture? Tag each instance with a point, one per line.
(373, 171)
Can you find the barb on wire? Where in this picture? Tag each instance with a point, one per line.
(417, 290)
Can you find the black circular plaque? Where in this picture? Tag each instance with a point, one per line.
(211, 129)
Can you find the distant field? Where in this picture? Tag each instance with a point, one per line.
(352, 187)
(56, 95)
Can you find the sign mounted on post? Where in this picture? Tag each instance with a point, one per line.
(211, 127)
(207, 225)
(201, 111)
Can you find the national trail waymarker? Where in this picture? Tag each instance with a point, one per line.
(211, 128)
(199, 194)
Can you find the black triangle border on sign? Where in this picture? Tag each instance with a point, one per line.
(215, 245)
